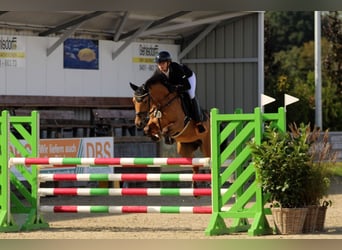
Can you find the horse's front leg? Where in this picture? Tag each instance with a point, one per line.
(167, 130)
(152, 131)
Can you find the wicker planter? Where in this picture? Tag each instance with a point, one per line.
(311, 219)
(322, 211)
(289, 220)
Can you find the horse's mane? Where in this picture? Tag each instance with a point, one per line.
(157, 78)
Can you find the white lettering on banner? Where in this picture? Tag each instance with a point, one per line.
(55, 149)
(43, 149)
(70, 149)
(98, 149)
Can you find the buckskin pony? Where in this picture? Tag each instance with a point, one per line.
(159, 112)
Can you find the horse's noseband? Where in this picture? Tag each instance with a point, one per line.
(140, 98)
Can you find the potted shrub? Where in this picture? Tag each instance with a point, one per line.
(321, 161)
(321, 214)
(282, 166)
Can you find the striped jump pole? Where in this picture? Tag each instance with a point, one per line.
(127, 191)
(124, 177)
(129, 209)
(121, 162)
(136, 162)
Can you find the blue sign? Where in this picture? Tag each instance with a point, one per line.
(81, 54)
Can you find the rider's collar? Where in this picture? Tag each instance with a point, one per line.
(167, 73)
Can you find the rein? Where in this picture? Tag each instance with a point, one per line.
(181, 132)
(157, 111)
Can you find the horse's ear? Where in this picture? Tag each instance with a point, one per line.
(133, 86)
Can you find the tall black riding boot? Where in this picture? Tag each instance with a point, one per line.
(185, 99)
(198, 115)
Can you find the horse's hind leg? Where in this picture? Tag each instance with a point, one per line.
(206, 151)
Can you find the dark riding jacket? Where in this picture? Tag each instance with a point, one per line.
(178, 76)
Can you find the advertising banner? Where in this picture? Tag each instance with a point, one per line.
(12, 51)
(97, 147)
(143, 57)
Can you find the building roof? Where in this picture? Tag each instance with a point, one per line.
(112, 25)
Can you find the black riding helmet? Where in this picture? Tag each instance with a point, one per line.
(163, 56)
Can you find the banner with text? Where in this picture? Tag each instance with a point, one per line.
(12, 51)
(97, 147)
(143, 57)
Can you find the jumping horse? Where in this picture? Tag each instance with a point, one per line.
(159, 112)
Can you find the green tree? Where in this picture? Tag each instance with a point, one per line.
(296, 77)
(291, 70)
(289, 28)
(332, 66)
(283, 30)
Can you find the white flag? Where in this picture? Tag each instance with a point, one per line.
(266, 100)
(290, 99)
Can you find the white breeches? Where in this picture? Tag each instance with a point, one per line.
(192, 81)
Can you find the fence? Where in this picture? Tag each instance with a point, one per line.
(237, 128)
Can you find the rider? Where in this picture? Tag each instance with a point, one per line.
(182, 79)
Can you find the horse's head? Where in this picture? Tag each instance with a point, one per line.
(141, 101)
(156, 106)
(147, 96)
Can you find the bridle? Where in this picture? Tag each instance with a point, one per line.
(157, 110)
(144, 114)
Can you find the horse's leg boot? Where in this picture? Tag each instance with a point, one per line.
(198, 115)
